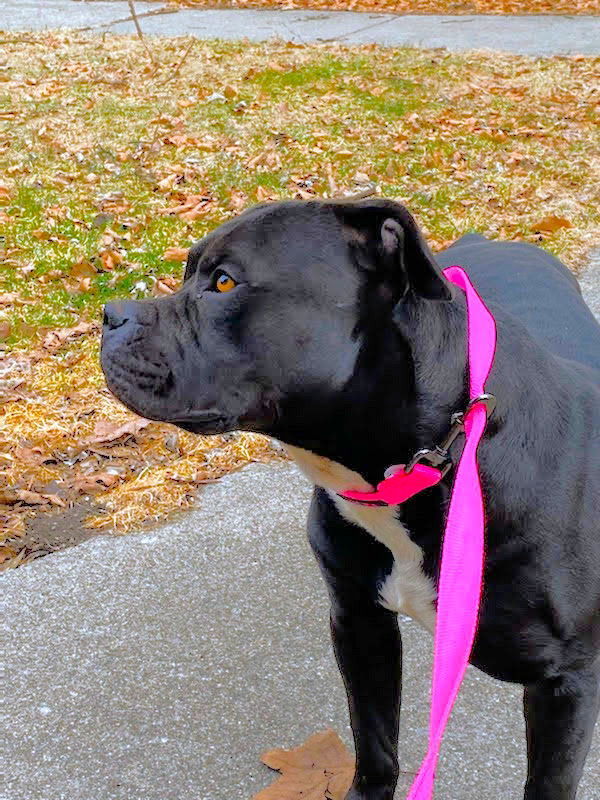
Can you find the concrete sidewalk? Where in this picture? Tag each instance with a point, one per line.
(159, 666)
(529, 35)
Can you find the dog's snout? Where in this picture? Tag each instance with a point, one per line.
(118, 313)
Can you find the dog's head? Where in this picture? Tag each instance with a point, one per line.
(277, 309)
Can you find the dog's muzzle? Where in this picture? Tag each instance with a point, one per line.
(130, 359)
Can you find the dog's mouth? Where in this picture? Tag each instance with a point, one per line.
(207, 422)
(204, 422)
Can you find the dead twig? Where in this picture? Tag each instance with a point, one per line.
(140, 33)
(175, 72)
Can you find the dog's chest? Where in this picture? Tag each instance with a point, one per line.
(406, 589)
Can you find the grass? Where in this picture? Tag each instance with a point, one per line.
(107, 160)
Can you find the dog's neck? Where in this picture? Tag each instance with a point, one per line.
(409, 379)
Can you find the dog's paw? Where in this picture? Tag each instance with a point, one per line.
(376, 793)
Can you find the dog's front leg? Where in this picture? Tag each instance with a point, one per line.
(560, 716)
(366, 640)
(368, 649)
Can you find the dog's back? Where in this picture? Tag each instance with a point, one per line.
(536, 289)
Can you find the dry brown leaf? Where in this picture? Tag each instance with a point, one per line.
(191, 206)
(55, 339)
(551, 223)
(320, 769)
(11, 299)
(54, 500)
(8, 497)
(5, 329)
(165, 285)
(87, 484)
(6, 553)
(31, 456)
(263, 194)
(110, 259)
(82, 269)
(106, 432)
(237, 200)
(176, 253)
(11, 496)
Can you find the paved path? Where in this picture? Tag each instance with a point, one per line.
(529, 35)
(158, 666)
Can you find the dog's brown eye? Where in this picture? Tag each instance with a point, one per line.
(225, 283)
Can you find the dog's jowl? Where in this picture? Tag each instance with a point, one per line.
(330, 326)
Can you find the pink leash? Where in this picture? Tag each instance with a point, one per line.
(461, 570)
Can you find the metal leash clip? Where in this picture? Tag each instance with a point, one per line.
(438, 456)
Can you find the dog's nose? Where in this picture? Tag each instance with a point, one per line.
(118, 313)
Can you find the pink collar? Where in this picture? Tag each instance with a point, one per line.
(425, 469)
(461, 567)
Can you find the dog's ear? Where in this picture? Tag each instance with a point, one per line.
(385, 238)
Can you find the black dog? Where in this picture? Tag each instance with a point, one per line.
(330, 326)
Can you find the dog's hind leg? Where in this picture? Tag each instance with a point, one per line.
(560, 715)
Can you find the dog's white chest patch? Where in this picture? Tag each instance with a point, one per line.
(406, 589)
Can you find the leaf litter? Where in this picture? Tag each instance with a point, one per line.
(114, 164)
(568, 7)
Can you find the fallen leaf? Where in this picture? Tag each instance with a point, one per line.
(8, 497)
(110, 258)
(165, 285)
(113, 203)
(11, 496)
(320, 769)
(263, 194)
(11, 299)
(6, 553)
(176, 253)
(32, 456)
(169, 183)
(550, 224)
(54, 500)
(82, 269)
(237, 200)
(55, 339)
(96, 480)
(190, 206)
(106, 432)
